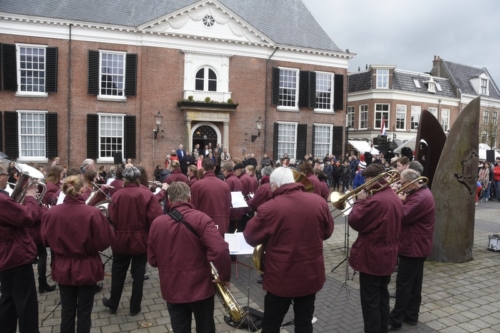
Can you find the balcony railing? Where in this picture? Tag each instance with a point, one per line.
(199, 95)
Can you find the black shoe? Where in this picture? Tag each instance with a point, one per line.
(132, 314)
(105, 302)
(411, 323)
(391, 328)
(45, 288)
(146, 277)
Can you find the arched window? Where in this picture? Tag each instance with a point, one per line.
(206, 80)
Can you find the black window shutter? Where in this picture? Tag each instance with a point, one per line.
(338, 135)
(51, 69)
(338, 92)
(9, 67)
(301, 141)
(313, 140)
(304, 89)
(92, 136)
(93, 87)
(131, 75)
(11, 135)
(1, 133)
(129, 137)
(275, 142)
(312, 89)
(276, 86)
(51, 134)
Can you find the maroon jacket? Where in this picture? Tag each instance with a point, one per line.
(235, 186)
(117, 184)
(52, 194)
(254, 184)
(16, 245)
(263, 194)
(248, 186)
(132, 210)
(76, 233)
(319, 187)
(192, 181)
(176, 176)
(417, 229)
(183, 258)
(213, 197)
(294, 236)
(378, 222)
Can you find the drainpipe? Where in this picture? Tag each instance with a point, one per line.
(69, 99)
(265, 100)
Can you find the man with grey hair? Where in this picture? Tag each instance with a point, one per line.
(263, 193)
(132, 210)
(415, 165)
(295, 268)
(87, 164)
(192, 235)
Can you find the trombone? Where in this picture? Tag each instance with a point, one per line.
(374, 185)
(420, 182)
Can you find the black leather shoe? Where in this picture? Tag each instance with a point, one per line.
(411, 323)
(46, 288)
(132, 314)
(105, 302)
(391, 328)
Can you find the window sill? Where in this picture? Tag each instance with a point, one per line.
(111, 98)
(105, 160)
(26, 160)
(287, 108)
(324, 111)
(400, 129)
(31, 94)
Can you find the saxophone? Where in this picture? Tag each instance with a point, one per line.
(235, 311)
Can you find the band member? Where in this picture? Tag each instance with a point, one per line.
(132, 211)
(248, 186)
(377, 219)
(295, 269)
(76, 233)
(17, 252)
(212, 196)
(192, 174)
(402, 163)
(185, 279)
(234, 186)
(263, 193)
(176, 174)
(415, 244)
(306, 169)
(118, 182)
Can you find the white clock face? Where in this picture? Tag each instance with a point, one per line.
(208, 21)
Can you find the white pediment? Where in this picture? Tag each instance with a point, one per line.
(207, 20)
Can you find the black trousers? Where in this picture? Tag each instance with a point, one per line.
(374, 302)
(180, 316)
(276, 307)
(18, 300)
(76, 301)
(121, 263)
(42, 263)
(408, 290)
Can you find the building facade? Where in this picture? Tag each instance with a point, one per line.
(87, 80)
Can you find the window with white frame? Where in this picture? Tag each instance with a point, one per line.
(287, 139)
(381, 114)
(112, 74)
(484, 87)
(32, 135)
(289, 89)
(484, 137)
(31, 69)
(434, 112)
(494, 117)
(382, 78)
(322, 139)
(206, 80)
(486, 116)
(415, 117)
(324, 91)
(363, 116)
(350, 117)
(400, 117)
(445, 119)
(110, 135)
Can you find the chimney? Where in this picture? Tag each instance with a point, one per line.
(436, 66)
(359, 69)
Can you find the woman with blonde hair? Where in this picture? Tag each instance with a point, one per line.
(250, 170)
(76, 233)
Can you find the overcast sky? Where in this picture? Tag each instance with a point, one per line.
(408, 33)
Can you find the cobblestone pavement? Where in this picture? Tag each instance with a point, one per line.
(456, 297)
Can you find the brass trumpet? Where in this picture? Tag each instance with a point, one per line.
(420, 182)
(374, 185)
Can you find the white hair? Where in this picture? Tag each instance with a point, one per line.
(282, 176)
(87, 162)
(292, 161)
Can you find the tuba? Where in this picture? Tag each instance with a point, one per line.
(28, 177)
(259, 253)
(235, 311)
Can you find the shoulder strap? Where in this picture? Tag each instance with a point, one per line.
(177, 217)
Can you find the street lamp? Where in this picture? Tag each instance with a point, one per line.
(259, 127)
(158, 119)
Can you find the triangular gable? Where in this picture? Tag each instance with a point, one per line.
(206, 19)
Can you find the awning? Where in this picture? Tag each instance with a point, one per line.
(482, 154)
(363, 146)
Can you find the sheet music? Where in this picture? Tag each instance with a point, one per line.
(60, 198)
(110, 180)
(238, 244)
(237, 200)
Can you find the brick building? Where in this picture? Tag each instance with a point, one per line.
(81, 79)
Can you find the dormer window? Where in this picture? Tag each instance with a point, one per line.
(484, 87)
(417, 84)
(481, 84)
(382, 79)
(431, 85)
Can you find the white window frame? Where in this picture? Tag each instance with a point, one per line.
(350, 117)
(330, 126)
(206, 79)
(494, 117)
(388, 126)
(100, 96)
(332, 82)
(399, 110)
(382, 79)
(24, 158)
(415, 110)
(18, 69)
(292, 154)
(483, 88)
(486, 116)
(434, 111)
(363, 117)
(445, 116)
(297, 78)
(110, 159)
